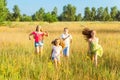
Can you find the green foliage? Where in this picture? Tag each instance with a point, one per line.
(118, 16)
(113, 12)
(16, 13)
(87, 14)
(50, 18)
(78, 17)
(105, 15)
(3, 10)
(68, 13)
(93, 14)
(38, 16)
(26, 18)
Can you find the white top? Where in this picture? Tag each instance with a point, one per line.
(56, 51)
(67, 40)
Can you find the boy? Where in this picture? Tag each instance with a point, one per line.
(67, 38)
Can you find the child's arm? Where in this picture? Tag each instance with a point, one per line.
(30, 35)
(66, 37)
(51, 53)
(46, 33)
(71, 40)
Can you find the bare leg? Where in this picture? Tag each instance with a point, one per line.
(37, 50)
(41, 50)
(55, 61)
(92, 58)
(96, 60)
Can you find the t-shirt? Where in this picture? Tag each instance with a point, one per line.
(56, 51)
(67, 40)
(38, 36)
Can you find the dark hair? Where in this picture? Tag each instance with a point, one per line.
(61, 42)
(87, 33)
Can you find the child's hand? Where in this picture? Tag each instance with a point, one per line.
(29, 38)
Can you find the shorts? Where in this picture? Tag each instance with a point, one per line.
(56, 57)
(66, 51)
(40, 44)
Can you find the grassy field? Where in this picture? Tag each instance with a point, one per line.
(18, 61)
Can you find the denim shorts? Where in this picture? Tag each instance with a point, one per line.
(40, 44)
(66, 51)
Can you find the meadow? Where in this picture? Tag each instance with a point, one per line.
(18, 61)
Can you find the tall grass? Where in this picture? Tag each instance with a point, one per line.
(18, 61)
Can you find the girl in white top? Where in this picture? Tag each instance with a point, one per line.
(56, 51)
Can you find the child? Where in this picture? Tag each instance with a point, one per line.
(56, 51)
(67, 38)
(94, 48)
(38, 36)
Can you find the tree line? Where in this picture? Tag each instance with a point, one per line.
(68, 14)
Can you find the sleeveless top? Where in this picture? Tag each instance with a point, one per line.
(95, 48)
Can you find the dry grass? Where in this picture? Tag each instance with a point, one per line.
(18, 62)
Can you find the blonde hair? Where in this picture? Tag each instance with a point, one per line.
(38, 27)
(61, 42)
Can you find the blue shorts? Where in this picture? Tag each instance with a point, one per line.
(66, 51)
(40, 44)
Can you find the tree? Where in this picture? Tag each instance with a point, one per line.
(3, 10)
(68, 14)
(106, 15)
(38, 16)
(16, 13)
(99, 14)
(87, 14)
(9, 16)
(24, 17)
(93, 14)
(113, 12)
(54, 14)
(78, 17)
(118, 16)
(48, 17)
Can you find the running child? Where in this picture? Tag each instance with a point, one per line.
(94, 49)
(67, 38)
(38, 35)
(57, 51)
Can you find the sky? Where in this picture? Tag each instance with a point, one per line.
(29, 7)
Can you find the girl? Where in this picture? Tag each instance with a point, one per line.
(38, 36)
(94, 48)
(56, 51)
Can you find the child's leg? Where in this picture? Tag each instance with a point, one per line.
(92, 58)
(95, 57)
(41, 50)
(55, 61)
(37, 50)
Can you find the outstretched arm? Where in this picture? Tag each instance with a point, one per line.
(30, 36)
(46, 33)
